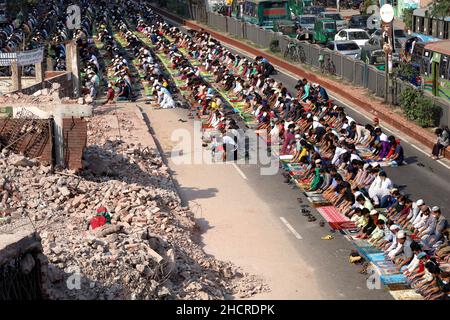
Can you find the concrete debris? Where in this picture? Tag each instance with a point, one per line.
(21, 161)
(147, 252)
(42, 96)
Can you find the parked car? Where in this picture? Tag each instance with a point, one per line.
(324, 30)
(340, 22)
(360, 36)
(360, 22)
(376, 43)
(399, 34)
(313, 10)
(348, 48)
(306, 22)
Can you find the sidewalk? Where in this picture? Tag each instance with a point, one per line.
(356, 95)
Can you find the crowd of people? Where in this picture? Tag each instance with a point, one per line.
(341, 158)
(29, 30)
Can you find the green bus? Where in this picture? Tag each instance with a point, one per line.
(269, 14)
(437, 72)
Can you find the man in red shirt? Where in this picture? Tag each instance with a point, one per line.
(288, 138)
(110, 94)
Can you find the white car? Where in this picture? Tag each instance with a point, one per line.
(360, 36)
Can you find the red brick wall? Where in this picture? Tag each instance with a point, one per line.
(75, 140)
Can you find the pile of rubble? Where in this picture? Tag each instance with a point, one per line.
(147, 252)
(41, 96)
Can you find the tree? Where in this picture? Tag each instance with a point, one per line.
(366, 4)
(440, 8)
(408, 18)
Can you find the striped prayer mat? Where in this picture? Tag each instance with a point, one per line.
(406, 294)
(335, 219)
(392, 278)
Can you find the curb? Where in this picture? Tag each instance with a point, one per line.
(410, 130)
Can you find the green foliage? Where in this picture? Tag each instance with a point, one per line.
(440, 8)
(406, 71)
(419, 108)
(408, 18)
(367, 4)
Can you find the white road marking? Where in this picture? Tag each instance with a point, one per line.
(239, 171)
(291, 228)
(418, 149)
(445, 165)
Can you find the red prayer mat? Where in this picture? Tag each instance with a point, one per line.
(335, 219)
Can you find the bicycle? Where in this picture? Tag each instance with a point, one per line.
(328, 66)
(295, 53)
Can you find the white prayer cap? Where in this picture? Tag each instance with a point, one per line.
(420, 202)
(315, 118)
(401, 234)
(335, 107)
(318, 161)
(394, 227)
(297, 136)
(375, 164)
(366, 165)
(435, 208)
(373, 212)
(308, 115)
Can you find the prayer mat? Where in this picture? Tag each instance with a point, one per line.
(377, 257)
(318, 201)
(285, 157)
(393, 278)
(335, 219)
(405, 294)
(301, 185)
(312, 194)
(385, 163)
(296, 173)
(367, 251)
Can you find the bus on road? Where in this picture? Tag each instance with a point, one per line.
(269, 14)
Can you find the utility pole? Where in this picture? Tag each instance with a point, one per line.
(387, 17)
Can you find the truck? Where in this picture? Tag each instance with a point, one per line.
(324, 30)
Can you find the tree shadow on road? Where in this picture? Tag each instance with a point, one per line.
(190, 194)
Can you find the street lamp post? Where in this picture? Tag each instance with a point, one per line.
(387, 17)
